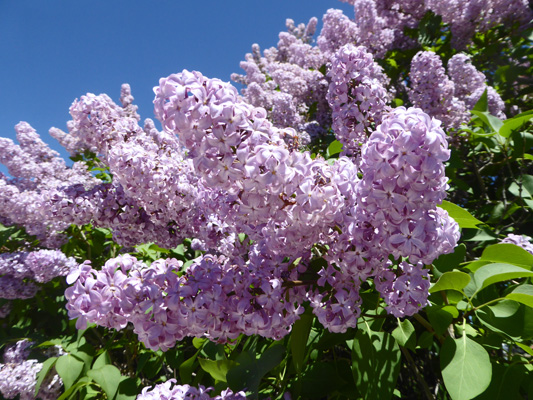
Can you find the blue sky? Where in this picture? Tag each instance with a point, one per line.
(54, 51)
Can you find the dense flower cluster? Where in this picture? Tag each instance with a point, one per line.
(18, 375)
(35, 169)
(212, 298)
(383, 21)
(356, 95)
(285, 203)
(20, 271)
(170, 391)
(432, 90)
(471, 83)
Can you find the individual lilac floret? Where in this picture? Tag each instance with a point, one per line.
(18, 375)
(522, 241)
(356, 95)
(432, 91)
(171, 391)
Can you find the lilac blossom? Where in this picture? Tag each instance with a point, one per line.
(432, 90)
(522, 241)
(20, 271)
(18, 375)
(356, 96)
(470, 84)
(171, 391)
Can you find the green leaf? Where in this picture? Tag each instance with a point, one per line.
(513, 124)
(405, 334)
(127, 390)
(375, 364)
(217, 369)
(526, 348)
(335, 147)
(299, 335)
(522, 294)
(440, 317)
(321, 379)
(186, 369)
(493, 122)
(505, 383)
(512, 326)
(460, 215)
(74, 389)
(249, 372)
(466, 368)
(47, 365)
(482, 104)
(506, 253)
(448, 262)
(101, 360)
(498, 272)
(69, 369)
(108, 377)
(453, 280)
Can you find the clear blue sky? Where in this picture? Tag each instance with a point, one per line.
(54, 51)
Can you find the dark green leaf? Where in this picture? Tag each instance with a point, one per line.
(299, 335)
(127, 390)
(250, 371)
(375, 364)
(186, 369)
(448, 262)
(217, 369)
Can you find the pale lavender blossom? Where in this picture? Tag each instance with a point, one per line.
(522, 241)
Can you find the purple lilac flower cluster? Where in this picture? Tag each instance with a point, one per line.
(450, 98)
(286, 81)
(20, 271)
(35, 169)
(356, 95)
(471, 83)
(285, 202)
(396, 211)
(432, 90)
(171, 391)
(18, 375)
(468, 17)
(382, 22)
(522, 241)
(213, 298)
